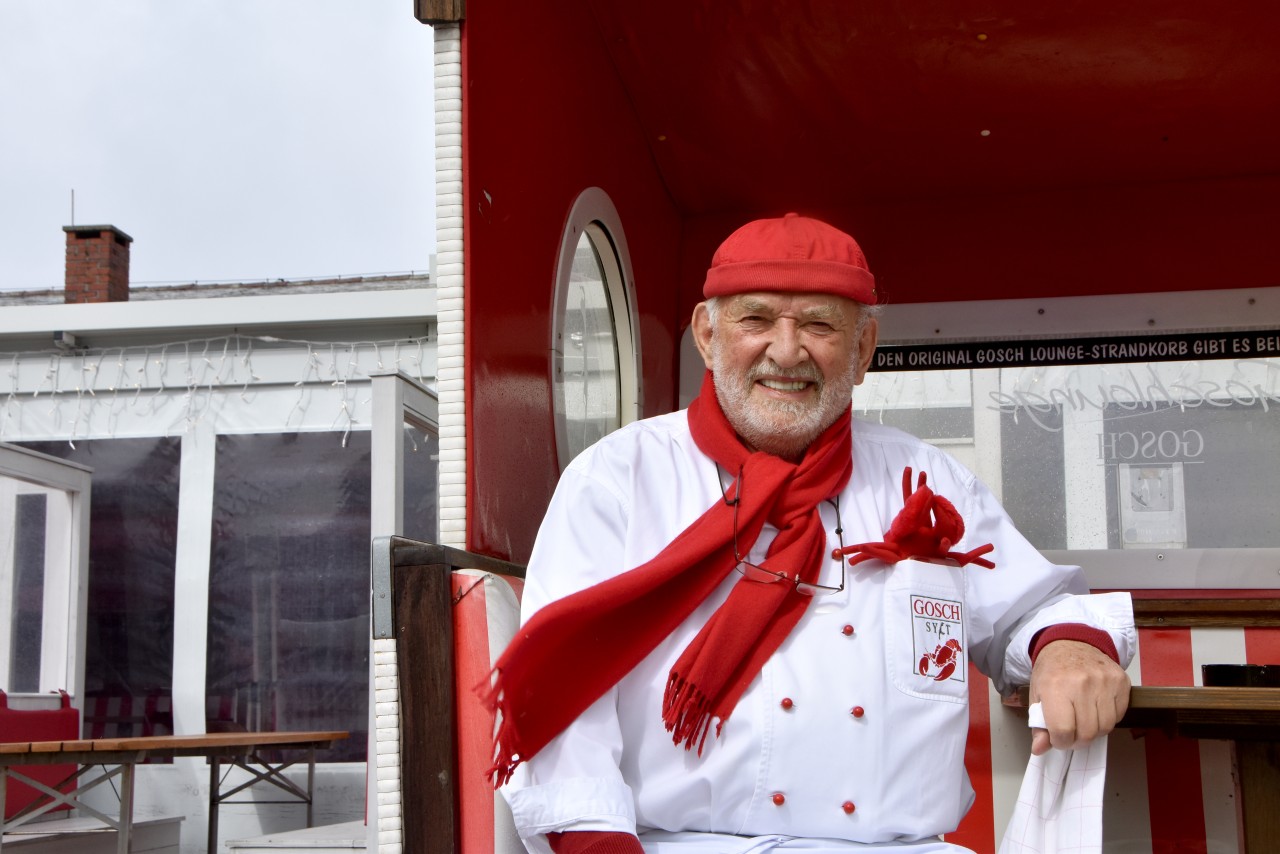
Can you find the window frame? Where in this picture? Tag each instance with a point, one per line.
(594, 215)
(1051, 320)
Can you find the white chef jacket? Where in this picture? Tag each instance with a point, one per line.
(847, 733)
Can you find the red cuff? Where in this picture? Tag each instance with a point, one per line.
(594, 842)
(1096, 638)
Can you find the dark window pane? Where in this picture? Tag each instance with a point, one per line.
(30, 512)
(1033, 469)
(935, 422)
(421, 476)
(1157, 455)
(133, 520)
(289, 586)
(1195, 478)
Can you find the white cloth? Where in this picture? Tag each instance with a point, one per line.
(663, 842)
(1059, 808)
(899, 762)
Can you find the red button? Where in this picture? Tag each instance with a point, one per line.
(779, 799)
(848, 807)
(847, 630)
(857, 711)
(786, 703)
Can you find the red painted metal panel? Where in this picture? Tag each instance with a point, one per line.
(978, 830)
(60, 724)
(1262, 646)
(545, 119)
(1177, 810)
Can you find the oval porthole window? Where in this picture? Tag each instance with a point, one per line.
(593, 365)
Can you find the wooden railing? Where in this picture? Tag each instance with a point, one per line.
(1206, 613)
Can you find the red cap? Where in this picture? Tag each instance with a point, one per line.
(793, 253)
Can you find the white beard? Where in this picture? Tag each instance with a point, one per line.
(778, 427)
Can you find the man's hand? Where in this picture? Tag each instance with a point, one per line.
(1082, 691)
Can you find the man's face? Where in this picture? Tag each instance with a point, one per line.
(784, 364)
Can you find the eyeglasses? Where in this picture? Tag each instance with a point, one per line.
(767, 576)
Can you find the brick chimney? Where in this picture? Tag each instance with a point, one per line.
(97, 264)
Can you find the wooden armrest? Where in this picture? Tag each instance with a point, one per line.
(1223, 612)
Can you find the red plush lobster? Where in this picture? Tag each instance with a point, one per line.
(926, 528)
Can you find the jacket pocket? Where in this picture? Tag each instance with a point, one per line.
(926, 635)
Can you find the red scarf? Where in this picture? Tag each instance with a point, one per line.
(575, 649)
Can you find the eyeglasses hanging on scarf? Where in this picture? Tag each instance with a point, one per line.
(752, 572)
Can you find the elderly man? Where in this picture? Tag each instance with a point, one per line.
(748, 625)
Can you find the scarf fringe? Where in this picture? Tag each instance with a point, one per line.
(686, 711)
(506, 752)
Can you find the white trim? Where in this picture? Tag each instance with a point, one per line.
(63, 631)
(192, 554)
(383, 810)
(168, 315)
(933, 322)
(233, 363)
(450, 353)
(1176, 569)
(35, 467)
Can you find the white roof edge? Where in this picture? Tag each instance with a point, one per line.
(247, 311)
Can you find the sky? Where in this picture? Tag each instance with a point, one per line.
(231, 139)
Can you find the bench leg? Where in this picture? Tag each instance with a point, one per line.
(123, 836)
(212, 844)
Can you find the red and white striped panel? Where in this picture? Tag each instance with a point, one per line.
(485, 618)
(125, 715)
(1164, 795)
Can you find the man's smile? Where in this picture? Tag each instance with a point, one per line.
(785, 385)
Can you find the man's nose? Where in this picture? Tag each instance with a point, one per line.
(786, 348)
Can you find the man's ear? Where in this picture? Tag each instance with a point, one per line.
(702, 332)
(867, 348)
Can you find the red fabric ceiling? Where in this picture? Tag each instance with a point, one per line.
(842, 102)
(1131, 148)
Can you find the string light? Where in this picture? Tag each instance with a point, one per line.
(209, 366)
(119, 381)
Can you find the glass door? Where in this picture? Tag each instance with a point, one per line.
(44, 556)
(405, 459)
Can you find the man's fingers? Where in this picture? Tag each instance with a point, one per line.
(1108, 714)
(1068, 724)
(1064, 722)
(1121, 697)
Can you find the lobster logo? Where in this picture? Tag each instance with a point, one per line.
(938, 637)
(942, 660)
